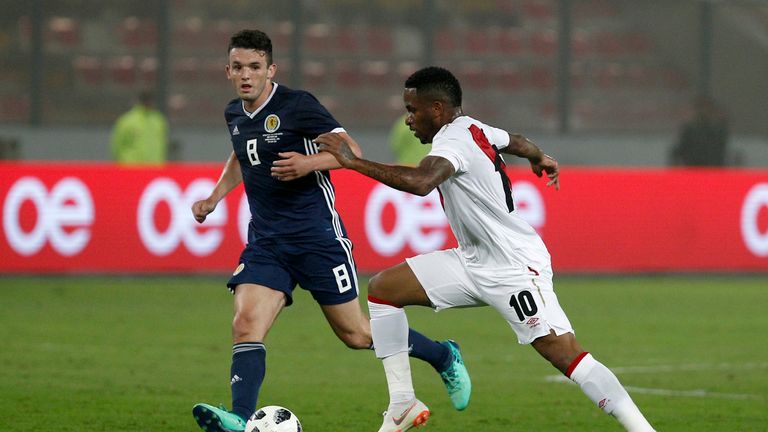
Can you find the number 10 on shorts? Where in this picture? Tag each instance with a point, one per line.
(342, 278)
(523, 304)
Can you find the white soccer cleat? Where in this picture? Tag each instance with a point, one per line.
(414, 415)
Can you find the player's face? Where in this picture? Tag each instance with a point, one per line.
(422, 117)
(250, 74)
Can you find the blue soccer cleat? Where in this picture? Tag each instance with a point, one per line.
(212, 419)
(456, 378)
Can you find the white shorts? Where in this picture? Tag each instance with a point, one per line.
(525, 298)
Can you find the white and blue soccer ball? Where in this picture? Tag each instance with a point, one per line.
(273, 418)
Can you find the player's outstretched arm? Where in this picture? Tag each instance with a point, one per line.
(540, 163)
(420, 180)
(295, 165)
(231, 176)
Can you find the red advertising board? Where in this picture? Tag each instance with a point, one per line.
(105, 218)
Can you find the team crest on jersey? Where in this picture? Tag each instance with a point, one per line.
(238, 269)
(272, 123)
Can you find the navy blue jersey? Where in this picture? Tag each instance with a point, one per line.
(297, 210)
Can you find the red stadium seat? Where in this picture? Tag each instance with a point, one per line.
(474, 75)
(190, 34)
(544, 43)
(580, 43)
(137, 33)
(148, 70)
(380, 41)
(317, 38)
(542, 77)
(607, 43)
(314, 74)
(610, 75)
(445, 42)
(348, 74)
(122, 70)
(88, 69)
(378, 74)
(64, 31)
(478, 40)
(186, 69)
(347, 41)
(509, 76)
(510, 41)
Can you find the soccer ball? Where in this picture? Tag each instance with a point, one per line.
(273, 419)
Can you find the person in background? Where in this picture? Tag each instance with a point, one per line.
(703, 140)
(140, 136)
(407, 148)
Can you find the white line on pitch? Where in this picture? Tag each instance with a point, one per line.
(674, 368)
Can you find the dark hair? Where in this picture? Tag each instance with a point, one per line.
(252, 39)
(437, 82)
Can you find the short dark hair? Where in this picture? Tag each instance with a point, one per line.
(438, 82)
(252, 39)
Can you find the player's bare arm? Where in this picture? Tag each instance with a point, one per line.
(231, 176)
(420, 180)
(540, 162)
(295, 165)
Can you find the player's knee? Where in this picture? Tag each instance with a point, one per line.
(376, 287)
(242, 327)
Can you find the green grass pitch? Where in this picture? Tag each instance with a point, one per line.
(134, 354)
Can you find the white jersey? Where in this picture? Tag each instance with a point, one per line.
(478, 201)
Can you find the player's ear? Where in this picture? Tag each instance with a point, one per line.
(271, 71)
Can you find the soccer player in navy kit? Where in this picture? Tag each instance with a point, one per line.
(295, 235)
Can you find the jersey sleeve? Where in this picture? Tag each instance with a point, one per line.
(451, 149)
(313, 118)
(496, 136)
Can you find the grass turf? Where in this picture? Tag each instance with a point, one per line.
(134, 354)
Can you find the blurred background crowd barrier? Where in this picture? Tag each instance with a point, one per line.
(593, 81)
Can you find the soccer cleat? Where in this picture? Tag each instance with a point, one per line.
(456, 378)
(414, 415)
(212, 419)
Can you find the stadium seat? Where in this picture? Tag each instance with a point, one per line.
(88, 69)
(445, 42)
(317, 39)
(137, 33)
(64, 32)
(541, 77)
(190, 34)
(348, 74)
(378, 74)
(637, 43)
(509, 76)
(347, 40)
(186, 69)
(609, 75)
(510, 41)
(478, 40)
(122, 70)
(607, 43)
(580, 43)
(314, 75)
(543, 43)
(540, 10)
(474, 75)
(148, 70)
(380, 41)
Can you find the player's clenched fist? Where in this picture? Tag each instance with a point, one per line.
(201, 209)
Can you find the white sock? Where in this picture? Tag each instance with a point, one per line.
(389, 329)
(603, 388)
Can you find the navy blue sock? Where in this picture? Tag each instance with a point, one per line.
(248, 367)
(432, 352)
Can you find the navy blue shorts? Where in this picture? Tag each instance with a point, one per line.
(325, 268)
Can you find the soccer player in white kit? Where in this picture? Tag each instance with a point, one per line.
(500, 261)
